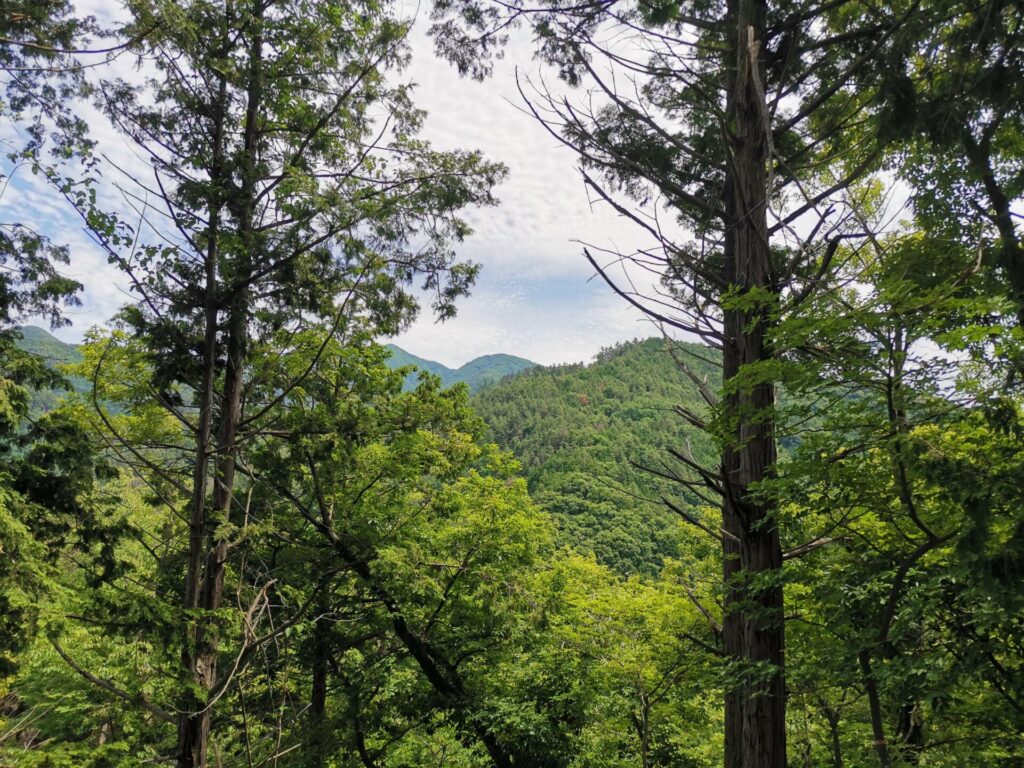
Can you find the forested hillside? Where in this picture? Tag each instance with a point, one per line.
(55, 352)
(236, 531)
(588, 434)
(476, 374)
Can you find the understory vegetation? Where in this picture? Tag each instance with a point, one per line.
(236, 530)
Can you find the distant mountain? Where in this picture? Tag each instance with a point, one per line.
(477, 373)
(46, 345)
(400, 358)
(55, 352)
(582, 431)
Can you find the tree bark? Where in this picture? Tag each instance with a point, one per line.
(194, 724)
(194, 728)
(875, 705)
(754, 622)
(191, 747)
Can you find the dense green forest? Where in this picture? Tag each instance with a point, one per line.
(476, 374)
(587, 435)
(237, 530)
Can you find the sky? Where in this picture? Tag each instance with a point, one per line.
(536, 296)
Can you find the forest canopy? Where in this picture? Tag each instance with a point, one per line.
(238, 528)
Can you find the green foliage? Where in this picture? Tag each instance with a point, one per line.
(476, 374)
(609, 672)
(904, 479)
(587, 435)
(397, 590)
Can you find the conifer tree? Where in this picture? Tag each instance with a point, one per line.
(730, 133)
(283, 187)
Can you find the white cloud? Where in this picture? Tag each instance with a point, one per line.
(533, 299)
(544, 205)
(548, 321)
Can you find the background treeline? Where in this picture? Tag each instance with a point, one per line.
(243, 539)
(585, 436)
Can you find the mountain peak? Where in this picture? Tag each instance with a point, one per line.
(41, 342)
(477, 373)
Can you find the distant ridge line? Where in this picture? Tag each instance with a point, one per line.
(477, 373)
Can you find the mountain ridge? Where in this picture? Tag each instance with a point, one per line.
(580, 430)
(583, 434)
(41, 342)
(477, 373)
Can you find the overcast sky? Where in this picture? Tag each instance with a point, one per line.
(535, 297)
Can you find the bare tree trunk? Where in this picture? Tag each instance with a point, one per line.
(761, 718)
(875, 705)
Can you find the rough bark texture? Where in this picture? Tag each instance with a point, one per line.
(732, 619)
(191, 748)
(194, 726)
(754, 625)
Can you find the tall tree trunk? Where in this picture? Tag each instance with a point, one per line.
(194, 729)
(755, 593)
(188, 748)
(875, 706)
(732, 618)
(317, 742)
(191, 750)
